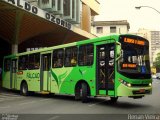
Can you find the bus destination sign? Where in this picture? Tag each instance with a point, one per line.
(129, 65)
(134, 41)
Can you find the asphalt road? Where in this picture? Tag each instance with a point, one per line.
(65, 107)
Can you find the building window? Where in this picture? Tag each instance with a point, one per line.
(153, 42)
(66, 8)
(112, 29)
(153, 48)
(99, 30)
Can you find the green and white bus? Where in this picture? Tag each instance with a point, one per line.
(114, 66)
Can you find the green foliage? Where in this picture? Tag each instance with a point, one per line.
(156, 63)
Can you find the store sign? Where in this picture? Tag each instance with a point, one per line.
(41, 13)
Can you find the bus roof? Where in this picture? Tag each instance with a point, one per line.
(98, 39)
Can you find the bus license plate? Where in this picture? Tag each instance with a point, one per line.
(142, 90)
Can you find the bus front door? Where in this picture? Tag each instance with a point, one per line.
(45, 80)
(13, 79)
(105, 69)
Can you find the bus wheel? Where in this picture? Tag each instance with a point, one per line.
(114, 99)
(77, 92)
(24, 89)
(83, 93)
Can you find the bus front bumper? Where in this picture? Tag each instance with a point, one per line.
(123, 90)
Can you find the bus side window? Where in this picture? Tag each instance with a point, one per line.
(89, 55)
(23, 62)
(111, 55)
(70, 57)
(37, 61)
(58, 58)
(85, 56)
(34, 61)
(31, 62)
(67, 62)
(7, 65)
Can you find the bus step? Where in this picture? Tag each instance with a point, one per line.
(101, 95)
(44, 92)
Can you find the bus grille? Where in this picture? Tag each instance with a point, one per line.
(140, 85)
(139, 92)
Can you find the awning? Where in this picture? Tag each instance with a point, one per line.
(21, 22)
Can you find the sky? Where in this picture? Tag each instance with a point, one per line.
(147, 18)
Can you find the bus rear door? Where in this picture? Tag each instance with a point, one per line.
(105, 69)
(13, 79)
(45, 80)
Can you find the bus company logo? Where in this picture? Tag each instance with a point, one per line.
(33, 75)
(45, 1)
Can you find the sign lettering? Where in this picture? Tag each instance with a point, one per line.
(35, 10)
(126, 65)
(133, 41)
(32, 75)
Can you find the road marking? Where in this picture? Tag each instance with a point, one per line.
(9, 98)
(43, 100)
(6, 94)
(1, 99)
(24, 103)
(27, 103)
(3, 96)
(97, 103)
(3, 107)
(54, 117)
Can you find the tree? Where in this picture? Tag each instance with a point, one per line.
(156, 63)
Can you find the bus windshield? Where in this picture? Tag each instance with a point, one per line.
(134, 62)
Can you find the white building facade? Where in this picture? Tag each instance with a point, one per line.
(103, 28)
(154, 40)
(155, 44)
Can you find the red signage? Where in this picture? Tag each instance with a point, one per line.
(20, 73)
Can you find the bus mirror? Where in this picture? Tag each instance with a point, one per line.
(118, 50)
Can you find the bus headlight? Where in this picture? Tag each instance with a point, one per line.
(129, 85)
(125, 83)
(150, 84)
